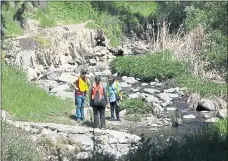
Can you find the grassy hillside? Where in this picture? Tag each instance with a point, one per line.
(27, 102)
(58, 13)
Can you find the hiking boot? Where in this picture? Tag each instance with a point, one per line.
(118, 119)
(78, 119)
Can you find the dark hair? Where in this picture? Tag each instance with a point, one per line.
(84, 71)
(97, 78)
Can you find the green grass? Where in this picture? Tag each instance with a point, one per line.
(25, 101)
(164, 66)
(42, 41)
(201, 86)
(136, 7)
(222, 126)
(59, 13)
(161, 65)
(16, 145)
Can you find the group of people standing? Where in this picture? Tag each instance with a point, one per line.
(100, 96)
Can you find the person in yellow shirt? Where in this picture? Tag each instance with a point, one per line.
(81, 86)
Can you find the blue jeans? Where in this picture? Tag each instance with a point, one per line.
(80, 101)
(113, 107)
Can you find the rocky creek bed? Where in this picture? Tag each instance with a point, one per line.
(175, 110)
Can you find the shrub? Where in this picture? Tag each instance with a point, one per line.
(16, 146)
(135, 106)
(161, 65)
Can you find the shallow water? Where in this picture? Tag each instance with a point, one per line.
(176, 131)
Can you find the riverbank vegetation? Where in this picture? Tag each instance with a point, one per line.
(27, 102)
(15, 145)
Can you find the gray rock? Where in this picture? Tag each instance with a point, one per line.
(115, 74)
(207, 116)
(106, 72)
(124, 85)
(171, 90)
(171, 95)
(130, 80)
(144, 84)
(68, 78)
(158, 106)
(181, 93)
(165, 97)
(65, 95)
(164, 104)
(82, 155)
(153, 83)
(151, 98)
(183, 89)
(206, 105)
(92, 62)
(135, 95)
(122, 113)
(212, 120)
(171, 109)
(222, 113)
(150, 90)
(136, 90)
(190, 116)
(54, 76)
(32, 74)
(158, 84)
(60, 88)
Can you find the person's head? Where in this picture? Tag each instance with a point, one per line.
(97, 79)
(111, 79)
(83, 73)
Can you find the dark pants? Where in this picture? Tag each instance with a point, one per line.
(113, 107)
(101, 111)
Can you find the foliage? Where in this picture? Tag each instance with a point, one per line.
(200, 85)
(212, 15)
(12, 28)
(43, 42)
(16, 146)
(58, 13)
(222, 126)
(161, 65)
(215, 52)
(24, 101)
(135, 106)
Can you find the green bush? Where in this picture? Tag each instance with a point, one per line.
(135, 106)
(13, 28)
(161, 65)
(27, 102)
(16, 146)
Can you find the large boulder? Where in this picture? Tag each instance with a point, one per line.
(206, 104)
(150, 90)
(67, 78)
(222, 113)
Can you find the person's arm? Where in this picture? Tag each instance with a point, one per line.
(90, 96)
(74, 84)
(105, 94)
(120, 91)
